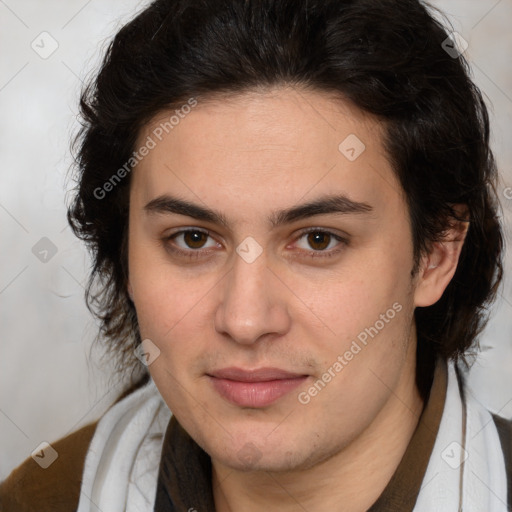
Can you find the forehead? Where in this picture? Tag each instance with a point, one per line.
(265, 145)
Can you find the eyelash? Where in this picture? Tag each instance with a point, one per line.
(194, 254)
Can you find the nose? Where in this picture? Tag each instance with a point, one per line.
(252, 303)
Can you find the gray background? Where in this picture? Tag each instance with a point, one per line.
(49, 382)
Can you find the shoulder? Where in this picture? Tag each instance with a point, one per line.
(29, 487)
(55, 488)
(504, 428)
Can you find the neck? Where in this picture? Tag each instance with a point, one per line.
(351, 479)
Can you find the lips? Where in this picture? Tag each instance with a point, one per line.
(258, 375)
(254, 388)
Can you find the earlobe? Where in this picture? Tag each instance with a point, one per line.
(130, 290)
(439, 266)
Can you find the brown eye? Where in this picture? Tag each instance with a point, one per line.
(189, 243)
(321, 243)
(195, 239)
(318, 240)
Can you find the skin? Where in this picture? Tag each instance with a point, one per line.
(246, 156)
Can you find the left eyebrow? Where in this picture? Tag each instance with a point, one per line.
(338, 204)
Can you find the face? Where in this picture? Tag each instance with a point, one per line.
(270, 261)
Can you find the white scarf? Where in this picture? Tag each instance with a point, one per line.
(121, 467)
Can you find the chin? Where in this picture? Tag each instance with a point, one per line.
(248, 457)
(267, 463)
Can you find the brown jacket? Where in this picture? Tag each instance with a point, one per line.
(30, 488)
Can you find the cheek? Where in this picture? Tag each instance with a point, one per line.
(368, 292)
(162, 294)
(166, 308)
(173, 310)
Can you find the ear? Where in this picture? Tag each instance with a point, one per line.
(130, 290)
(438, 267)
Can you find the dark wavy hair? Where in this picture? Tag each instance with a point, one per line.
(388, 58)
